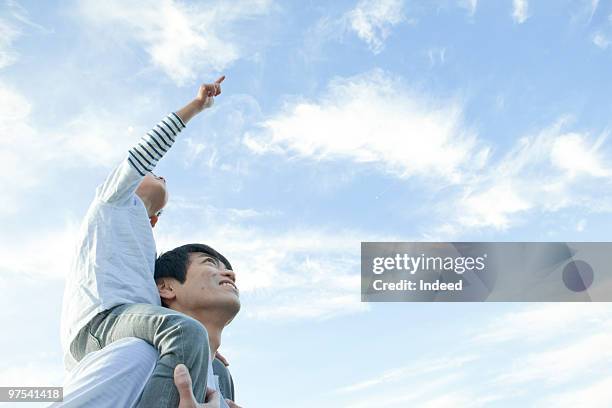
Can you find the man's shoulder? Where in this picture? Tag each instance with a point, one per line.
(226, 382)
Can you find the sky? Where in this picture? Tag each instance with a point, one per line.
(339, 122)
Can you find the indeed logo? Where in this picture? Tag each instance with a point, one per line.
(413, 264)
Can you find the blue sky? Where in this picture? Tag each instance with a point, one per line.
(339, 122)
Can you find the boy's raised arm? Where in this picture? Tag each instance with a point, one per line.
(142, 158)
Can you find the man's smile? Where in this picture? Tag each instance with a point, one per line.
(229, 283)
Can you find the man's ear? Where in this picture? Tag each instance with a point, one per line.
(166, 290)
(153, 220)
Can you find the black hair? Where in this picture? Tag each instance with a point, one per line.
(174, 263)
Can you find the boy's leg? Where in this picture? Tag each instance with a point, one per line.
(177, 337)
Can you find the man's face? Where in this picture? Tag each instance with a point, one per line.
(208, 285)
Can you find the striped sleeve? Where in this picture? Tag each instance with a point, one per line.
(145, 154)
(122, 182)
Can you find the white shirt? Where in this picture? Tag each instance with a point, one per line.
(115, 376)
(115, 259)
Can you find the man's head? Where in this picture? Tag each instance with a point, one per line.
(195, 277)
(153, 193)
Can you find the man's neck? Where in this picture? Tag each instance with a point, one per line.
(214, 322)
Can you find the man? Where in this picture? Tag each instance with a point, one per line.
(192, 279)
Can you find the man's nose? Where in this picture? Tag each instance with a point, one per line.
(230, 274)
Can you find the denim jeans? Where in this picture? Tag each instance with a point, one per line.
(178, 338)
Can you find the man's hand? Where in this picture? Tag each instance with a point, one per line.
(232, 404)
(207, 92)
(182, 380)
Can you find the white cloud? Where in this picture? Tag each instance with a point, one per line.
(520, 11)
(373, 118)
(8, 33)
(470, 5)
(601, 41)
(181, 40)
(541, 172)
(373, 20)
(572, 153)
(491, 207)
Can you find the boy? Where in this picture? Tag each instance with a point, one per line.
(110, 292)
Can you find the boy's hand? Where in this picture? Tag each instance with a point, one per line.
(222, 359)
(207, 92)
(203, 100)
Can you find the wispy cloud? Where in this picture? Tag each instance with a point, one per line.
(593, 395)
(372, 20)
(8, 34)
(414, 393)
(437, 56)
(21, 145)
(37, 373)
(444, 364)
(181, 39)
(54, 252)
(600, 40)
(91, 138)
(448, 385)
(539, 323)
(583, 357)
(373, 118)
(520, 12)
(541, 172)
(12, 23)
(470, 5)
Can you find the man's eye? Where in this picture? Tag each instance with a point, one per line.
(211, 261)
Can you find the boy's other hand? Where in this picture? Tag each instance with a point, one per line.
(219, 357)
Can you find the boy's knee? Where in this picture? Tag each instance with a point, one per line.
(194, 332)
(195, 343)
(186, 337)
